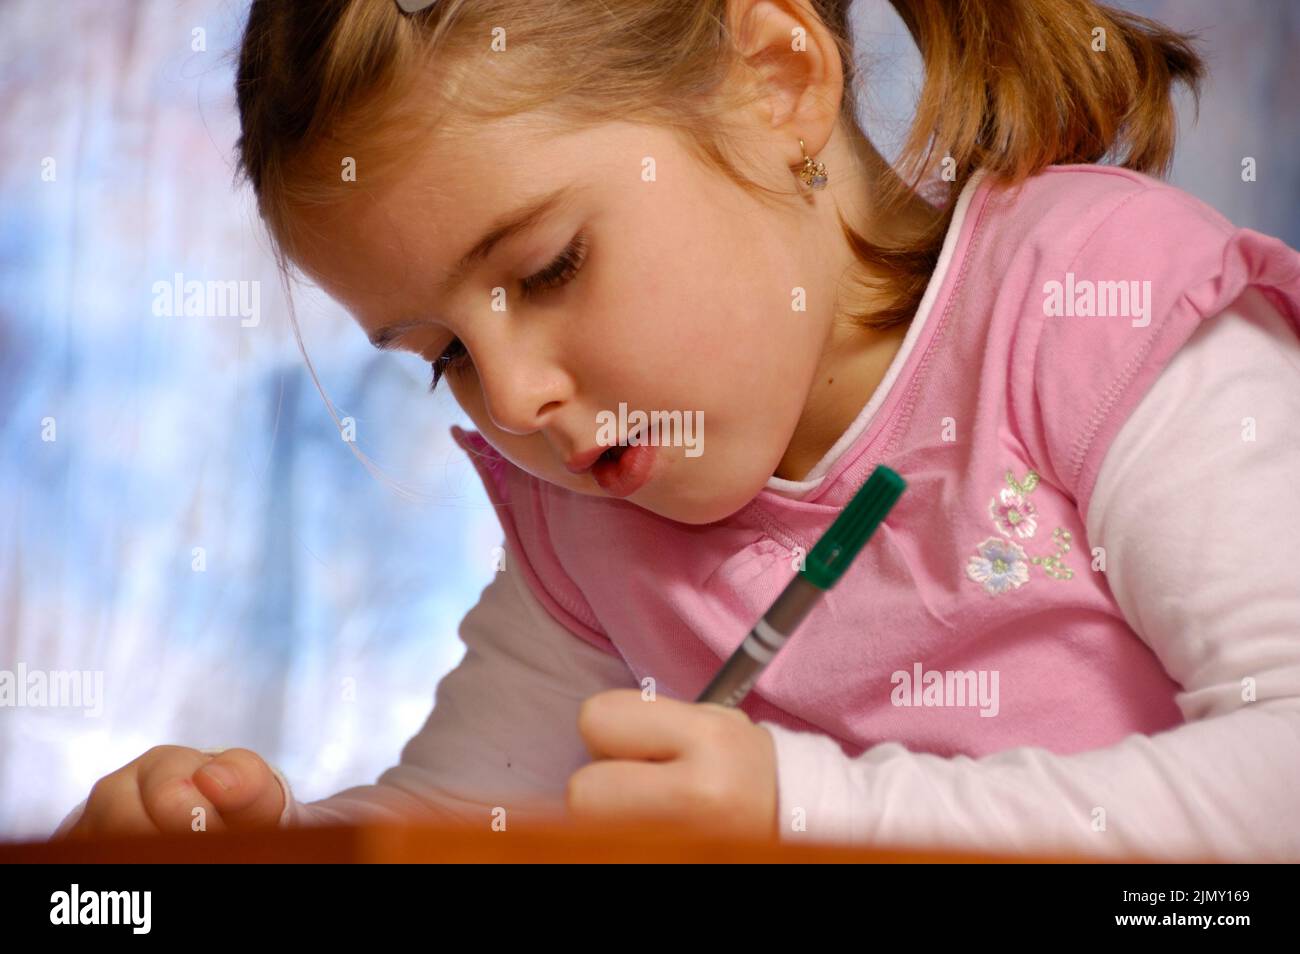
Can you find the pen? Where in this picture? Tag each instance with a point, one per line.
(826, 563)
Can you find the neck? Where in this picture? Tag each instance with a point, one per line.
(855, 358)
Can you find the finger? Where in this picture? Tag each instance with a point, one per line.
(617, 792)
(170, 795)
(115, 807)
(620, 723)
(243, 787)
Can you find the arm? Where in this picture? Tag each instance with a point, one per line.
(503, 731)
(1202, 535)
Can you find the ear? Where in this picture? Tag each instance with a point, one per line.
(793, 60)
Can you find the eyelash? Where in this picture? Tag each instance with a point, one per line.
(558, 273)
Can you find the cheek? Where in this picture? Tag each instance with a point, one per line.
(678, 309)
(464, 386)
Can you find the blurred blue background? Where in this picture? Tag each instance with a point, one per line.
(180, 511)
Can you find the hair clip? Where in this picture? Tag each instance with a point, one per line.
(414, 6)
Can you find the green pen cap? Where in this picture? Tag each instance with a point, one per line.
(852, 528)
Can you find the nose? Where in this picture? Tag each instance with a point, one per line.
(522, 393)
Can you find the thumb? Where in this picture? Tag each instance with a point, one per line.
(243, 789)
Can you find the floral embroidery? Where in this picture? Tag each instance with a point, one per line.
(1052, 565)
(1026, 488)
(1000, 564)
(1014, 514)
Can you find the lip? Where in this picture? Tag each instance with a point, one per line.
(628, 474)
(581, 463)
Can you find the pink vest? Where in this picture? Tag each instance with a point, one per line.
(999, 421)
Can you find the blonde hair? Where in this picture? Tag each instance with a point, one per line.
(1010, 85)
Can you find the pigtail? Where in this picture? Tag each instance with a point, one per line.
(1013, 86)
(1016, 85)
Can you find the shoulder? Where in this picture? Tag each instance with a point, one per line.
(1064, 212)
(537, 518)
(1098, 277)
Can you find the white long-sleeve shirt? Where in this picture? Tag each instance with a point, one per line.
(1201, 528)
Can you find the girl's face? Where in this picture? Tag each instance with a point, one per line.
(679, 292)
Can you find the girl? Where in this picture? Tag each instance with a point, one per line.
(1079, 629)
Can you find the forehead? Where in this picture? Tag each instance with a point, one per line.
(389, 242)
(413, 210)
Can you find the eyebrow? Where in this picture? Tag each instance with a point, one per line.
(506, 226)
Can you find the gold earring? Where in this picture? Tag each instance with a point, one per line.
(813, 174)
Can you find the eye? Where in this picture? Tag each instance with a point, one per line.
(559, 272)
(555, 275)
(453, 358)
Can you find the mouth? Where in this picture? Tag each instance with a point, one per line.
(612, 454)
(581, 463)
(624, 469)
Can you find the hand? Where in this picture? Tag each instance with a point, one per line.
(159, 791)
(699, 766)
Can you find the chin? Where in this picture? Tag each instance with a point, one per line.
(701, 509)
